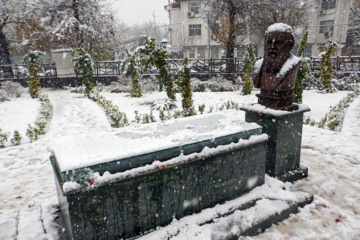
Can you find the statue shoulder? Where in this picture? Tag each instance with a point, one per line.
(257, 66)
(292, 63)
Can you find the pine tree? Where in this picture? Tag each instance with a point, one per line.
(304, 71)
(33, 79)
(185, 88)
(326, 66)
(156, 57)
(131, 65)
(246, 69)
(83, 63)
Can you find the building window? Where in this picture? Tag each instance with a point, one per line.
(308, 49)
(326, 26)
(194, 7)
(240, 51)
(328, 4)
(192, 53)
(215, 53)
(194, 29)
(201, 52)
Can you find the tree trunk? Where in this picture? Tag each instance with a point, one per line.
(5, 56)
(230, 45)
(79, 37)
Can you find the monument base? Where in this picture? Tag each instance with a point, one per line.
(294, 175)
(284, 129)
(277, 100)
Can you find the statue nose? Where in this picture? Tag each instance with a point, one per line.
(272, 44)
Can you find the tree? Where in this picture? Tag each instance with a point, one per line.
(131, 65)
(231, 21)
(267, 12)
(304, 71)
(83, 63)
(78, 23)
(326, 66)
(12, 14)
(246, 69)
(353, 33)
(227, 20)
(33, 79)
(185, 88)
(152, 55)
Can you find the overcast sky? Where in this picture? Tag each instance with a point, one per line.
(133, 12)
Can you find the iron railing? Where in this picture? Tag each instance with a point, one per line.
(341, 63)
(212, 66)
(18, 71)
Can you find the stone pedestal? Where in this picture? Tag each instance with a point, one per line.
(283, 148)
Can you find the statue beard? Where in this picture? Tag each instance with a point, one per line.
(273, 62)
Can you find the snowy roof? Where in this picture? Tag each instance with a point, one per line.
(280, 27)
(98, 148)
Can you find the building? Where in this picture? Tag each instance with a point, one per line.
(191, 34)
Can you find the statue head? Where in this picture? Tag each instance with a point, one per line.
(279, 40)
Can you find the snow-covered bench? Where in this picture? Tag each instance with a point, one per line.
(124, 183)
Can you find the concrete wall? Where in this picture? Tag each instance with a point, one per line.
(63, 60)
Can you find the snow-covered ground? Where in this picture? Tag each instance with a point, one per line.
(27, 189)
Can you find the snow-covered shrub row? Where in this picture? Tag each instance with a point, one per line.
(339, 82)
(4, 137)
(10, 90)
(215, 84)
(144, 118)
(334, 118)
(117, 118)
(42, 121)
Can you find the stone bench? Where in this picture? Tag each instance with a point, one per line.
(122, 184)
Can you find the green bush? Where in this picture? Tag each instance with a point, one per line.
(304, 73)
(33, 79)
(83, 63)
(326, 66)
(246, 69)
(16, 139)
(3, 138)
(42, 120)
(117, 118)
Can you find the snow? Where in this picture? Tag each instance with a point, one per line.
(290, 63)
(96, 148)
(13, 112)
(206, 152)
(262, 109)
(28, 198)
(280, 27)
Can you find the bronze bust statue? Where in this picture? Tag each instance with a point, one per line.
(276, 73)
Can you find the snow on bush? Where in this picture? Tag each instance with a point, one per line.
(215, 84)
(10, 90)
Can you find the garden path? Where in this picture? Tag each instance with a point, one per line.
(27, 193)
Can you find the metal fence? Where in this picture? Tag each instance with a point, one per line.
(341, 64)
(19, 71)
(207, 66)
(211, 66)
